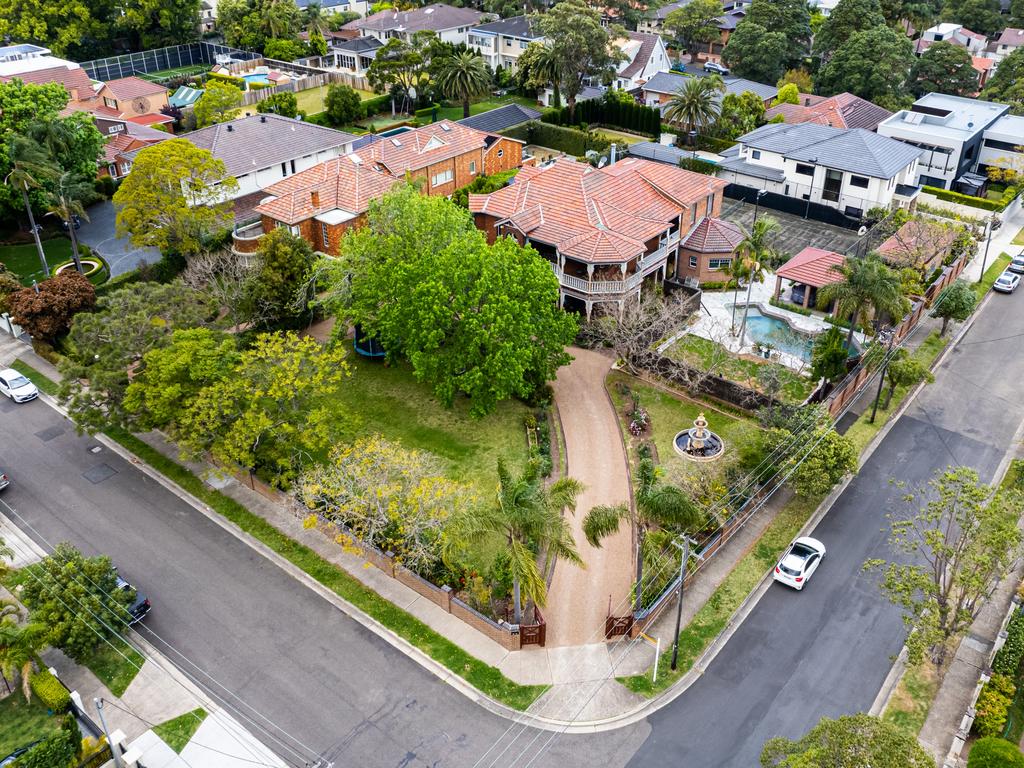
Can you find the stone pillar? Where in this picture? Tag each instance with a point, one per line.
(807, 296)
(778, 287)
(590, 271)
(590, 306)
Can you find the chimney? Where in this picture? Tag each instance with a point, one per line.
(314, 198)
(230, 128)
(263, 118)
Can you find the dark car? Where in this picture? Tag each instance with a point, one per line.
(140, 606)
(9, 760)
(76, 219)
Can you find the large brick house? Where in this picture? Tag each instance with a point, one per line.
(606, 231)
(318, 204)
(446, 156)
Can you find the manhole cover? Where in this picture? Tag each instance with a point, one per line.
(99, 473)
(49, 433)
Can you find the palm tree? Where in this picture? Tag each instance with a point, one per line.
(658, 505)
(524, 513)
(464, 76)
(546, 67)
(19, 644)
(31, 168)
(315, 18)
(756, 250)
(66, 204)
(6, 553)
(865, 284)
(697, 104)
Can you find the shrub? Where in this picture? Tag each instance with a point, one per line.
(106, 186)
(50, 691)
(992, 752)
(569, 140)
(427, 113)
(55, 751)
(342, 105)
(1007, 660)
(790, 307)
(718, 286)
(609, 111)
(283, 103)
(482, 185)
(956, 197)
(238, 82)
(697, 165)
(993, 702)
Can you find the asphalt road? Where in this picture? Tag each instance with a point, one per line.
(342, 692)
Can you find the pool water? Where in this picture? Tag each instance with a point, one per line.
(777, 334)
(256, 78)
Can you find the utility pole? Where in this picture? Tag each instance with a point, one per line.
(685, 547)
(757, 201)
(988, 242)
(106, 732)
(885, 367)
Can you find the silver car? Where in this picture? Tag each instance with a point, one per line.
(1006, 282)
(1017, 265)
(16, 386)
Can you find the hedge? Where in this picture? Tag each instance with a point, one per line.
(97, 276)
(993, 704)
(55, 751)
(975, 202)
(612, 113)
(114, 283)
(376, 105)
(482, 185)
(1007, 660)
(238, 82)
(789, 307)
(427, 113)
(571, 141)
(992, 752)
(697, 165)
(50, 691)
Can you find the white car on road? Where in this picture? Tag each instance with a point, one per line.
(1006, 282)
(799, 562)
(16, 386)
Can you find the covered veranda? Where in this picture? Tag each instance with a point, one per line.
(806, 272)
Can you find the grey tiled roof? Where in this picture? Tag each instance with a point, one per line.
(853, 149)
(358, 45)
(516, 26)
(251, 143)
(435, 17)
(670, 82)
(501, 118)
(652, 150)
(739, 165)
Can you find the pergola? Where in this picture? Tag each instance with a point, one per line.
(809, 270)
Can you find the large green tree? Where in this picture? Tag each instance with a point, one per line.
(583, 46)
(342, 104)
(740, 113)
(175, 198)
(401, 68)
(845, 20)
(19, 646)
(472, 319)
(66, 203)
(21, 105)
(697, 105)
(864, 286)
(31, 167)
(658, 506)
(284, 104)
(158, 23)
(774, 36)
(1007, 83)
(873, 64)
(695, 23)
(956, 302)
(944, 68)
(463, 77)
(275, 292)
(982, 16)
(219, 103)
(851, 741)
(105, 346)
(79, 29)
(272, 411)
(954, 544)
(523, 522)
(251, 23)
(77, 598)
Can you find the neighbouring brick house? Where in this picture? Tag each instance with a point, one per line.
(605, 231)
(918, 244)
(445, 155)
(318, 204)
(706, 254)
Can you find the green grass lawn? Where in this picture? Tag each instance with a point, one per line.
(177, 732)
(703, 353)
(164, 74)
(621, 138)
(910, 702)
(994, 270)
(1019, 238)
(311, 100)
(670, 415)
(389, 401)
(21, 723)
(23, 260)
(111, 666)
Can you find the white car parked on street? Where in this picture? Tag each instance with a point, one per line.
(799, 563)
(16, 386)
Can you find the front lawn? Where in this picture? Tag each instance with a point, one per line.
(995, 269)
(178, 732)
(311, 100)
(910, 702)
(703, 354)
(387, 400)
(23, 260)
(115, 663)
(21, 723)
(1019, 238)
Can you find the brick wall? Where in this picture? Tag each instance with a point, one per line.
(702, 271)
(511, 156)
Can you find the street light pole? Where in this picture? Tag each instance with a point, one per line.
(757, 201)
(885, 367)
(106, 732)
(988, 242)
(685, 547)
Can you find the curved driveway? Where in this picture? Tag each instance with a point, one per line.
(345, 693)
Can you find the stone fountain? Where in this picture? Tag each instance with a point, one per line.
(698, 443)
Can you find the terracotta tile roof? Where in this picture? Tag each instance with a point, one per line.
(424, 146)
(75, 81)
(597, 215)
(918, 243)
(340, 183)
(844, 110)
(150, 119)
(813, 267)
(133, 87)
(714, 236)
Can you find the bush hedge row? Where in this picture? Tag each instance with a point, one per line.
(571, 141)
(1008, 658)
(238, 82)
(975, 202)
(993, 704)
(611, 113)
(992, 752)
(50, 691)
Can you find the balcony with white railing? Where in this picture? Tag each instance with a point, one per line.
(598, 287)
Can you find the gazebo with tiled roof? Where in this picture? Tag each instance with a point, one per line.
(809, 270)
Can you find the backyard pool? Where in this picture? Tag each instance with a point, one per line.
(770, 331)
(256, 77)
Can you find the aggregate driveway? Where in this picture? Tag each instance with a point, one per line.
(99, 234)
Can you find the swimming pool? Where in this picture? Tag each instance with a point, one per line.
(770, 331)
(256, 78)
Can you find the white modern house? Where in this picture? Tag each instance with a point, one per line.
(957, 34)
(25, 57)
(850, 169)
(502, 42)
(450, 24)
(645, 54)
(1002, 145)
(950, 130)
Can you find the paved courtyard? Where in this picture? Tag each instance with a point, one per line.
(796, 232)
